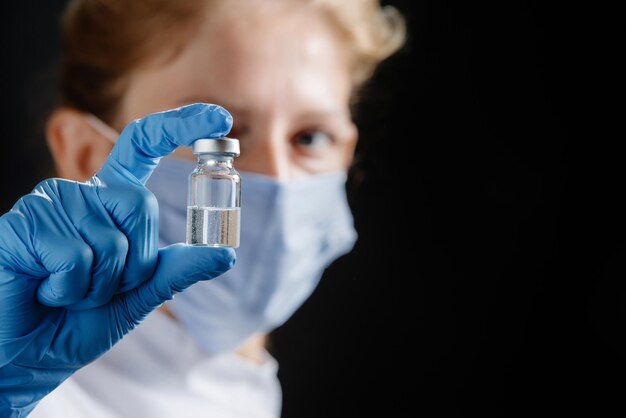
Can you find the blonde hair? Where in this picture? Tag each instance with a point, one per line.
(104, 40)
(373, 33)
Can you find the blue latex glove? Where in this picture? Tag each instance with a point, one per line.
(80, 265)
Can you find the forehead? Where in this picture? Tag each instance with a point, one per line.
(283, 56)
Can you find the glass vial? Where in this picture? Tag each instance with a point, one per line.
(213, 207)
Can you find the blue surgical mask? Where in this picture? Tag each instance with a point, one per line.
(290, 232)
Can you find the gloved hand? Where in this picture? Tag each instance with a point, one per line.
(80, 265)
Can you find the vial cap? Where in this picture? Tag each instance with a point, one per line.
(216, 146)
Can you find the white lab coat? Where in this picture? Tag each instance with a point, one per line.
(157, 371)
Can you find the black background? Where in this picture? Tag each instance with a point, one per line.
(488, 277)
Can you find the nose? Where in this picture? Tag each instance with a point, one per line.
(268, 155)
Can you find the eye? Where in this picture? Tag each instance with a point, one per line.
(238, 131)
(314, 141)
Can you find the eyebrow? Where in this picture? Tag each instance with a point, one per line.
(330, 113)
(243, 113)
(196, 99)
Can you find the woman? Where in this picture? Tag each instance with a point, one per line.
(286, 73)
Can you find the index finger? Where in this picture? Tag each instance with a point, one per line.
(144, 141)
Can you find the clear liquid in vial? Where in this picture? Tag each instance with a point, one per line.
(216, 227)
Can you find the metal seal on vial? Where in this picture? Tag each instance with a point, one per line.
(214, 200)
(216, 145)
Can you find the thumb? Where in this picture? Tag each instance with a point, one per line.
(178, 267)
(144, 141)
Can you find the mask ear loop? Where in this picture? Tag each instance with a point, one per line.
(102, 128)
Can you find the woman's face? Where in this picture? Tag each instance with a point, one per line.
(282, 75)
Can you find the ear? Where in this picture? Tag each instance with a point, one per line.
(352, 136)
(78, 149)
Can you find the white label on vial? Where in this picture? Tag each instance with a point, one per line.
(216, 227)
